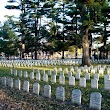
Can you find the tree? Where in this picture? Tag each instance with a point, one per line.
(69, 22)
(72, 27)
(36, 12)
(9, 39)
(57, 26)
(90, 13)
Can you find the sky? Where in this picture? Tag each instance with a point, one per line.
(4, 11)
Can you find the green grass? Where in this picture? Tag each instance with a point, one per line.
(68, 89)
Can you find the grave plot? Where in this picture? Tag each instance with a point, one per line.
(61, 86)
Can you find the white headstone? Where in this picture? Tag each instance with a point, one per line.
(95, 100)
(62, 79)
(61, 73)
(25, 74)
(20, 74)
(38, 76)
(10, 82)
(72, 80)
(37, 71)
(55, 69)
(55, 72)
(32, 75)
(93, 71)
(86, 70)
(76, 96)
(72, 69)
(101, 71)
(36, 88)
(47, 91)
(82, 82)
(94, 83)
(89, 69)
(87, 76)
(53, 78)
(96, 76)
(43, 72)
(60, 69)
(49, 72)
(18, 84)
(33, 70)
(108, 71)
(11, 71)
(66, 70)
(45, 77)
(77, 76)
(78, 70)
(4, 81)
(15, 72)
(106, 77)
(70, 74)
(60, 93)
(26, 86)
(107, 85)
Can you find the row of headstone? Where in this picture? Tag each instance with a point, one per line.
(50, 72)
(53, 78)
(101, 61)
(97, 71)
(95, 97)
(82, 80)
(87, 75)
(77, 75)
(32, 63)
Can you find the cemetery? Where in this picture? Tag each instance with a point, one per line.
(57, 85)
(55, 55)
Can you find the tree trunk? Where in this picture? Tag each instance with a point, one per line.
(22, 55)
(76, 53)
(63, 54)
(36, 36)
(85, 36)
(85, 44)
(36, 51)
(90, 44)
